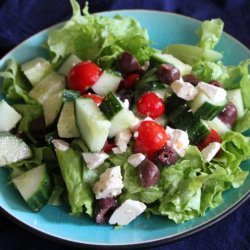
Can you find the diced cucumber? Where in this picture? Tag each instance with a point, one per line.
(158, 58)
(12, 149)
(111, 105)
(203, 107)
(52, 107)
(235, 96)
(66, 125)
(70, 95)
(220, 127)
(52, 84)
(36, 69)
(35, 186)
(122, 120)
(9, 117)
(108, 81)
(92, 124)
(70, 62)
(149, 77)
(180, 115)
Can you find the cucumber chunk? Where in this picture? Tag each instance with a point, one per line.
(50, 85)
(12, 149)
(158, 58)
(35, 186)
(108, 81)
(92, 124)
(36, 69)
(220, 127)
(235, 96)
(203, 107)
(66, 125)
(52, 107)
(9, 116)
(70, 62)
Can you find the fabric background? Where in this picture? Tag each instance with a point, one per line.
(20, 19)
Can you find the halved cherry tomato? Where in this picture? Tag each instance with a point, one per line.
(83, 75)
(96, 98)
(149, 104)
(130, 80)
(151, 137)
(212, 137)
(107, 148)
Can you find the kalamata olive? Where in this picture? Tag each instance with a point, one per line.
(168, 73)
(104, 209)
(38, 128)
(127, 63)
(124, 94)
(191, 79)
(149, 173)
(216, 84)
(229, 114)
(165, 156)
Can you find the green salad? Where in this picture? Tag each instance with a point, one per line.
(114, 128)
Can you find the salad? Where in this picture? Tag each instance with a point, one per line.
(115, 128)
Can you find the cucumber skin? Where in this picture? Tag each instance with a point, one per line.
(40, 198)
(208, 111)
(110, 105)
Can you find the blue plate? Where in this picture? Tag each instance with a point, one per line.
(164, 28)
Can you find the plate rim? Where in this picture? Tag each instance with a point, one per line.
(148, 243)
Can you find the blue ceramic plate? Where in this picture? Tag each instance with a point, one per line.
(164, 29)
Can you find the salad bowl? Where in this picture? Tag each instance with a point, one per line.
(55, 222)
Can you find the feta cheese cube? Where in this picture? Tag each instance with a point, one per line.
(214, 93)
(184, 90)
(9, 116)
(60, 145)
(126, 104)
(127, 212)
(136, 159)
(94, 160)
(109, 184)
(209, 152)
(178, 140)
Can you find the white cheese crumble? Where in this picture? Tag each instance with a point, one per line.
(94, 160)
(109, 184)
(60, 145)
(136, 159)
(184, 90)
(209, 152)
(127, 212)
(178, 140)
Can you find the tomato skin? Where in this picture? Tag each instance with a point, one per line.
(151, 137)
(83, 75)
(130, 80)
(96, 98)
(149, 104)
(212, 137)
(107, 148)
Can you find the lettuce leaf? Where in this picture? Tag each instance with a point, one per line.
(80, 195)
(56, 195)
(15, 86)
(99, 38)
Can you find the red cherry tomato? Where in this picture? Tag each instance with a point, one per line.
(151, 137)
(130, 80)
(83, 75)
(150, 105)
(212, 137)
(107, 148)
(96, 98)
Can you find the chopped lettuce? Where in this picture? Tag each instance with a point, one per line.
(99, 38)
(56, 195)
(80, 195)
(15, 86)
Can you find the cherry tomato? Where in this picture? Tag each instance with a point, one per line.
(83, 75)
(151, 137)
(212, 137)
(96, 98)
(150, 105)
(107, 148)
(130, 80)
